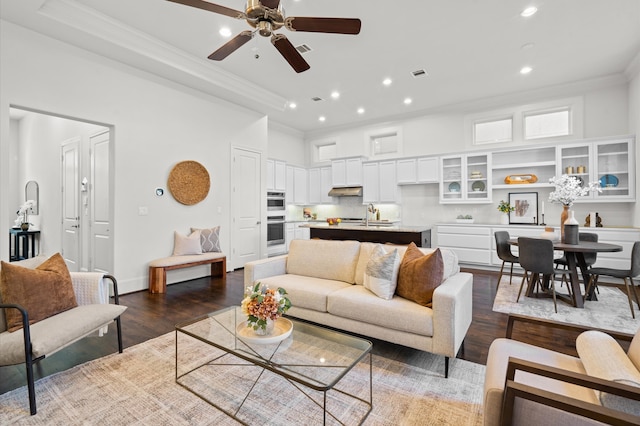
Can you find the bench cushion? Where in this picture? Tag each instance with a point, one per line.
(181, 260)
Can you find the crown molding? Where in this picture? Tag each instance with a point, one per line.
(93, 23)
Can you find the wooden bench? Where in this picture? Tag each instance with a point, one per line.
(158, 268)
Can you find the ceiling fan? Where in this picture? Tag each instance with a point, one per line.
(267, 16)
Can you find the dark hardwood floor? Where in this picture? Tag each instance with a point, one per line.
(151, 315)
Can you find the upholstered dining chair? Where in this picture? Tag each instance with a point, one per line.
(536, 258)
(624, 274)
(504, 253)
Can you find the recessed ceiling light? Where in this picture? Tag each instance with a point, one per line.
(322, 118)
(225, 32)
(530, 11)
(360, 110)
(387, 81)
(293, 105)
(526, 70)
(335, 94)
(407, 101)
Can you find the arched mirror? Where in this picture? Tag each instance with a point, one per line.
(31, 192)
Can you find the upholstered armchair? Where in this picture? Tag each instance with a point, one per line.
(22, 340)
(526, 384)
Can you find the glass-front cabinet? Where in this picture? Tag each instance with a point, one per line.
(608, 162)
(465, 179)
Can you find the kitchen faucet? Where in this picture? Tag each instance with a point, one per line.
(370, 208)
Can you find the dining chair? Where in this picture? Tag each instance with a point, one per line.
(589, 258)
(623, 274)
(504, 253)
(536, 258)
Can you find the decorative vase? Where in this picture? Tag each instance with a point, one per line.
(267, 330)
(24, 226)
(571, 229)
(563, 217)
(504, 219)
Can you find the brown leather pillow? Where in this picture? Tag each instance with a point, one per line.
(419, 275)
(44, 291)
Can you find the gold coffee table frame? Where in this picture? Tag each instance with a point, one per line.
(312, 357)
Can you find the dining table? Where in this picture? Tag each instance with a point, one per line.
(574, 254)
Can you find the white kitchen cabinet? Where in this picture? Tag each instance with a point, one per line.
(296, 231)
(610, 162)
(271, 175)
(280, 177)
(379, 182)
(465, 179)
(276, 175)
(417, 170)
(300, 186)
(346, 172)
(320, 185)
(289, 189)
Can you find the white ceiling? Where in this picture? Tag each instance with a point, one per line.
(471, 49)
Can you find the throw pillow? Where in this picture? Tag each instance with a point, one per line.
(419, 275)
(184, 245)
(44, 291)
(209, 239)
(381, 275)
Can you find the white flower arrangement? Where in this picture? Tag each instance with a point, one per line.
(23, 212)
(569, 188)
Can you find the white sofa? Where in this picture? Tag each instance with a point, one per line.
(324, 282)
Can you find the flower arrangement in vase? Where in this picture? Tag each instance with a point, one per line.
(263, 306)
(567, 190)
(505, 208)
(23, 215)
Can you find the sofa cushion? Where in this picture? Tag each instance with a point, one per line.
(604, 358)
(381, 276)
(419, 275)
(358, 303)
(332, 260)
(44, 291)
(184, 245)
(306, 292)
(449, 259)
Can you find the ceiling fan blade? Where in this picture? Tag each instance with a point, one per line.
(324, 25)
(286, 49)
(201, 4)
(231, 46)
(271, 4)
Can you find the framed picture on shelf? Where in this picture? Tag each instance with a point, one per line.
(526, 208)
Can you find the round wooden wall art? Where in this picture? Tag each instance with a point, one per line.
(189, 182)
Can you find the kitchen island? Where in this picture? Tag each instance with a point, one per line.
(419, 235)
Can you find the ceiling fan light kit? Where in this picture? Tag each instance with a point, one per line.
(267, 16)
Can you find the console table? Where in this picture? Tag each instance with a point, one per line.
(22, 244)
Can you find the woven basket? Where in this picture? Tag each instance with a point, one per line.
(189, 182)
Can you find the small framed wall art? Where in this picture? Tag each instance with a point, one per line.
(526, 208)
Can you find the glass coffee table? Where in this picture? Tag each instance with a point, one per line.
(302, 379)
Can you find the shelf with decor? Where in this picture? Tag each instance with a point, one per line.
(535, 172)
(465, 179)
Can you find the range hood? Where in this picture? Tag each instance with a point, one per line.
(346, 191)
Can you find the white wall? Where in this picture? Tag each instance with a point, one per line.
(605, 114)
(634, 125)
(156, 124)
(286, 144)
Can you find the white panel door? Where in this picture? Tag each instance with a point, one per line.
(100, 259)
(70, 205)
(246, 196)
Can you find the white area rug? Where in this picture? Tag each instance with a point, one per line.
(611, 310)
(138, 387)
